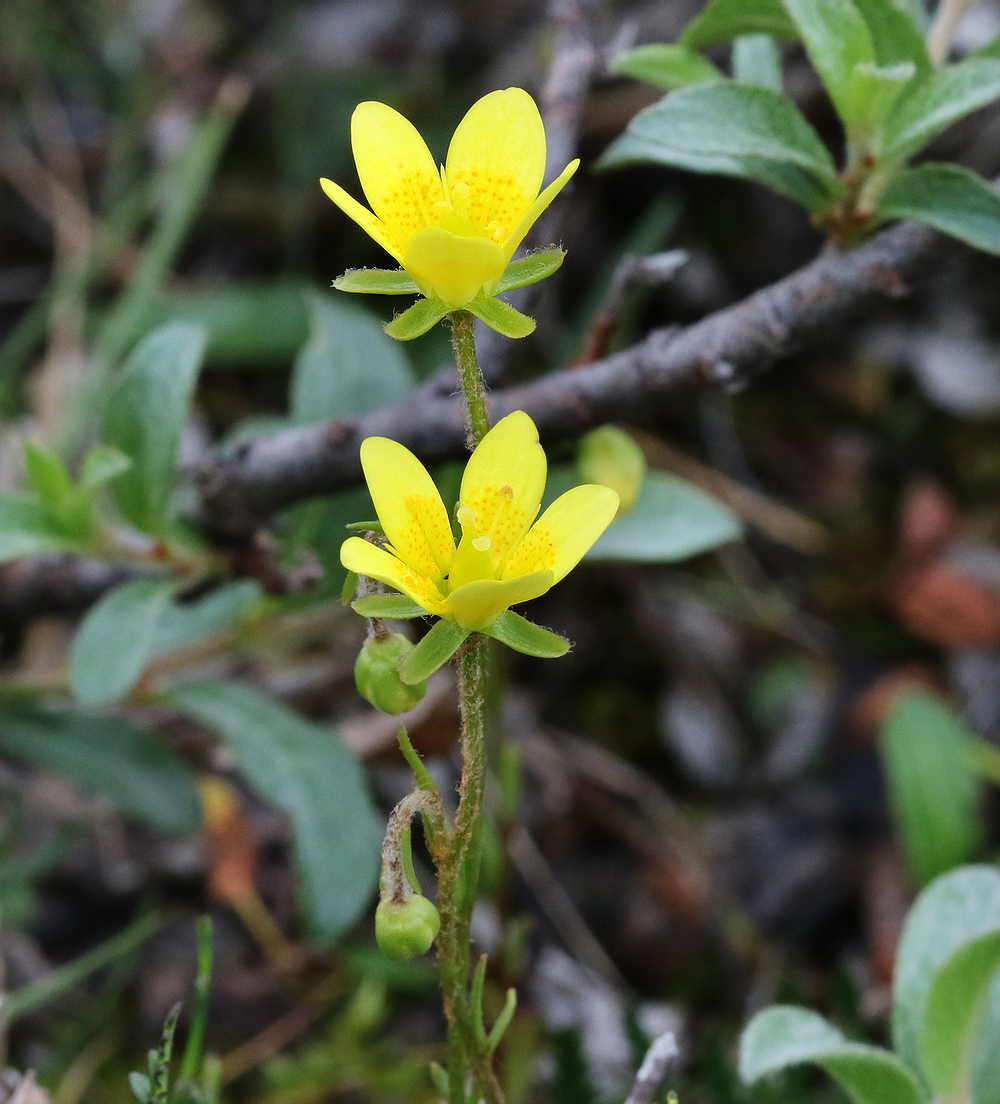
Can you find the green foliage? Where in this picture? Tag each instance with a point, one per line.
(306, 771)
(736, 130)
(346, 367)
(944, 1009)
(666, 65)
(872, 59)
(145, 415)
(933, 791)
(956, 201)
(132, 768)
(671, 520)
(116, 639)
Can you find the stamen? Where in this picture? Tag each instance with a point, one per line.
(482, 544)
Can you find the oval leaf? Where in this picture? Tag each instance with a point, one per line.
(145, 415)
(951, 911)
(785, 1036)
(665, 65)
(347, 367)
(670, 521)
(134, 769)
(724, 20)
(944, 97)
(948, 198)
(955, 1012)
(306, 771)
(734, 129)
(115, 640)
(932, 788)
(28, 528)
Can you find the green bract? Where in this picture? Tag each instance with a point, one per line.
(891, 100)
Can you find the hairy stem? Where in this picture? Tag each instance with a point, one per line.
(468, 1054)
(463, 342)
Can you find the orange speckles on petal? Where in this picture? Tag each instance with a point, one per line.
(535, 552)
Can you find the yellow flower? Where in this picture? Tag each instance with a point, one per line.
(453, 228)
(504, 555)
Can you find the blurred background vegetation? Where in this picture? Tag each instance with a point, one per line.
(727, 794)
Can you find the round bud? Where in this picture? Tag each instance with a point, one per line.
(405, 929)
(611, 457)
(376, 673)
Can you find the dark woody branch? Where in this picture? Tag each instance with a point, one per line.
(241, 489)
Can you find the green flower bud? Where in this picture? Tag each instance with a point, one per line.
(376, 673)
(406, 929)
(611, 457)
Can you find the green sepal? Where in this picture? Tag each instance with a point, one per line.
(348, 590)
(434, 651)
(364, 526)
(377, 281)
(501, 316)
(525, 636)
(397, 607)
(530, 269)
(416, 320)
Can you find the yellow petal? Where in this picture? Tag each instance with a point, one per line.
(564, 533)
(476, 604)
(516, 236)
(361, 215)
(503, 483)
(498, 150)
(408, 506)
(452, 268)
(397, 172)
(367, 559)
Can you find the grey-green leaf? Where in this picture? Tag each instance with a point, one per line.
(785, 1036)
(895, 36)
(724, 20)
(954, 909)
(187, 623)
(115, 640)
(933, 791)
(670, 521)
(442, 641)
(945, 96)
(955, 1010)
(525, 636)
(733, 129)
(46, 473)
(757, 60)
(837, 40)
(949, 198)
(347, 367)
(102, 464)
(145, 415)
(132, 768)
(305, 770)
(28, 528)
(666, 65)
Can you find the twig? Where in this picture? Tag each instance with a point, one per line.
(659, 1056)
(726, 349)
(942, 33)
